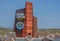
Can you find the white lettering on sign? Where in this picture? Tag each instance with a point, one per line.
(20, 15)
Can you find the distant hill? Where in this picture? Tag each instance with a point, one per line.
(53, 31)
(3, 31)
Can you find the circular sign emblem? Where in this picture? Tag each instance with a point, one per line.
(20, 25)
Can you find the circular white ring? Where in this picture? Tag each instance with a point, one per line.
(20, 25)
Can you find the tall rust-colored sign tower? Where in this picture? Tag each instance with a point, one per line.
(25, 22)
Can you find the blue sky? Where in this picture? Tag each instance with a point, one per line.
(46, 11)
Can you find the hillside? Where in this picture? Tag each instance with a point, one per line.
(3, 31)
(53, 31)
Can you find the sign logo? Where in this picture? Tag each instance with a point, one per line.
(20, 25)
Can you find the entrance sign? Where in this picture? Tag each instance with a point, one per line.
(25, 22)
